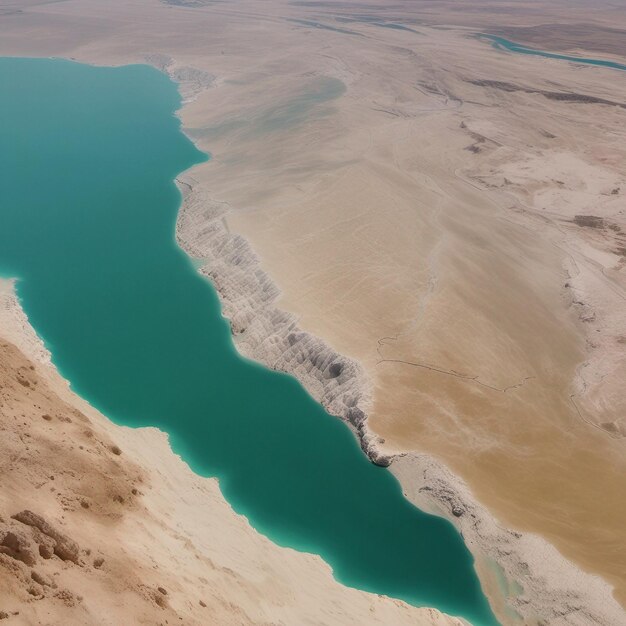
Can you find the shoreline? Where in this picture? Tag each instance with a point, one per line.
(261, 331)
(555, 589)
(174, 531)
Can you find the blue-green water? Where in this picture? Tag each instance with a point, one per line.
(501, 43)
(87, 214)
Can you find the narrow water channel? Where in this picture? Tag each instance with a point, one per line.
(504, 44)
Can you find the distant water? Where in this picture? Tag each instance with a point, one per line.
(500, 43)
(88, 156)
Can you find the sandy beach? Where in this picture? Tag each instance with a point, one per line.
(448, 217)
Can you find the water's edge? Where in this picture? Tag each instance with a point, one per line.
(545, 583)
(96, 335)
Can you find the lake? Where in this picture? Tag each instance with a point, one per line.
(88, 157)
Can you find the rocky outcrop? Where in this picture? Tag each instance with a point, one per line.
(262, 331)
(28, 544)
(30, 537)
(49, 537)
(18, 545)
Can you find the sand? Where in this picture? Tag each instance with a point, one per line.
(431, 222)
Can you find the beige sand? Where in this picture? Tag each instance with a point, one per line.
(424, 222)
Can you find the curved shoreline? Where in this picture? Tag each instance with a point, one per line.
(539, 583)
(200, 333)
(173, 530)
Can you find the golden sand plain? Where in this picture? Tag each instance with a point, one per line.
(415, 194)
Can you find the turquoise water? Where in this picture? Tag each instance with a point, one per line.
(87, 214)
(499, 42)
